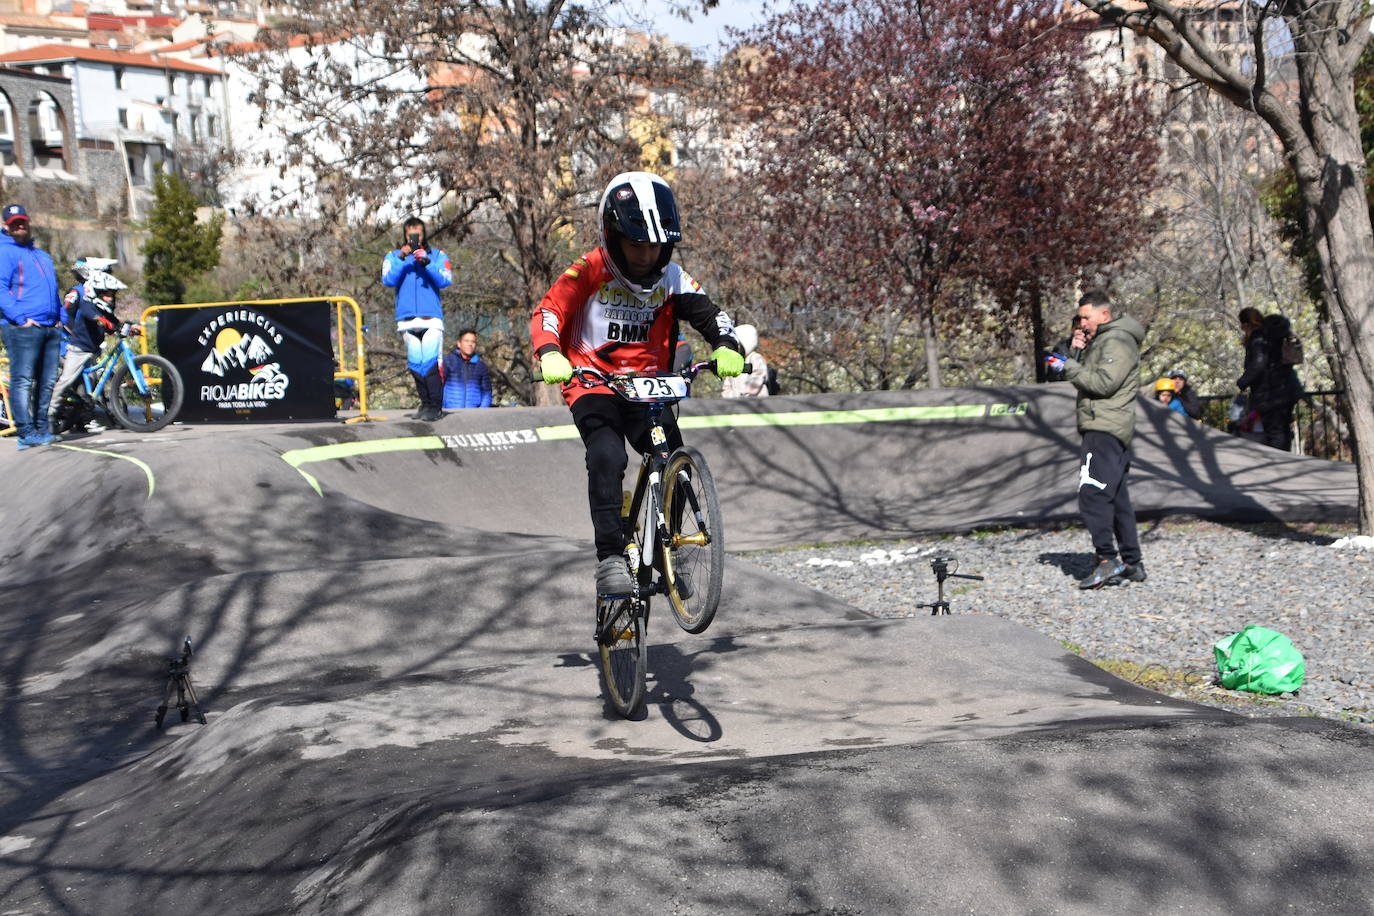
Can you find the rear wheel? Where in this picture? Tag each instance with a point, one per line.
(73, 413)
(151, 408)
(695, 564)
(624, 656)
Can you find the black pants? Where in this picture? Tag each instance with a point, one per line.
(606, 423)
(1103, 499)
(1278, 426)
(429, 386)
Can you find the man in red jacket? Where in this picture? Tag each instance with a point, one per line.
(617, 309)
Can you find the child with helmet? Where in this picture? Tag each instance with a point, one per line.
(616, 309)
(88, 315)
(1166, 392)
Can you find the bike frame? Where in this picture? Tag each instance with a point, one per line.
(649, 484)
(105, 366)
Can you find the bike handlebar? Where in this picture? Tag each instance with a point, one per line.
(590, 376)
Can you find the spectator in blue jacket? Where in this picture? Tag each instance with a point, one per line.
(31, 326)
(467, 383)
(418, 273)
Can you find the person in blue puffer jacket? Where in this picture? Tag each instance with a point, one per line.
(31, 325)
(418, 273)
(467, 382)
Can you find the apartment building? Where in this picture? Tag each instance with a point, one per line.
(123, 116)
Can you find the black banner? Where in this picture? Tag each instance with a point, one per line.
(251, 363)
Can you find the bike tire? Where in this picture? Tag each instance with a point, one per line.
(71, 415)
(146, 413)
(624, 655)
(696, 539)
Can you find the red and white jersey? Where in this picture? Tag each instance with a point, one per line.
(596, 322)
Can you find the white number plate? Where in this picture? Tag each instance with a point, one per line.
(658, 389)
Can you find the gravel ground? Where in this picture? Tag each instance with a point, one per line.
(1205, 582)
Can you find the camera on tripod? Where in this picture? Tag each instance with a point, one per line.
(179, 679)
(941, 567)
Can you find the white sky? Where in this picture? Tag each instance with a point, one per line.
(706, 30)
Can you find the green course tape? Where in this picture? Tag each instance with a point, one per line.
(822, 417)
(299, 456)
(147, 471)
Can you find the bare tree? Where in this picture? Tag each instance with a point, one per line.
(1217, 250)
(502, 117)
(1316, 120)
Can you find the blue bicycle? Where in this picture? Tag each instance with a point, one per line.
(140, 392)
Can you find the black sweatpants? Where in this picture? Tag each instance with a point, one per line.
(1103, 499)
(1278, 427)
(606, 423)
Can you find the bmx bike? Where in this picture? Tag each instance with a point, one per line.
(675, 544)
(140, 392)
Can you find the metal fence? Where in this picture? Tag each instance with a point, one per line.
(1321, 426)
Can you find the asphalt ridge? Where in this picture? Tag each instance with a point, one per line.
(396, 682)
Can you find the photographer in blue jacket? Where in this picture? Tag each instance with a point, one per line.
(417, 273)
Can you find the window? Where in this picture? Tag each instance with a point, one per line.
(176, 124)
(6, 132)
(171, 85)
(47, 138)
(124, 118)
(119, 77)
(211, 125)
(195, 132)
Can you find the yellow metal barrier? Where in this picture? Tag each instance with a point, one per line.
(356, 369)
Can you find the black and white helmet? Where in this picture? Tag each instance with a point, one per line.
(96, 276)
(99, 281)
(638, 206)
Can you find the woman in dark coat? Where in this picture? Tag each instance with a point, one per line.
(1273, 384)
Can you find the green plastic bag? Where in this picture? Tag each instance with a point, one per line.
(1259, 660)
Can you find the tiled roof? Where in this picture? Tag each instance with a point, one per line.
(57, 53)
(39, 22)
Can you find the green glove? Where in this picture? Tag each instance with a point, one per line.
(728, 362)
(555, 367)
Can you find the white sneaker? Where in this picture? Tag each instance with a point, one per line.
(95, 426)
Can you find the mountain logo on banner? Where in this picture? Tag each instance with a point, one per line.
(235, 350)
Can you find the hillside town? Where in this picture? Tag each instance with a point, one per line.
(96, 99)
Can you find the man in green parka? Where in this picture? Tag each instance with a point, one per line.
(1105, 368)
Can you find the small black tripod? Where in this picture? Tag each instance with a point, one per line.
(179, 677)
(940, 566)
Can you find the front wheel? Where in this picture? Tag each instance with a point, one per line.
(624, 656)
(152, 406)
(695, 563)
